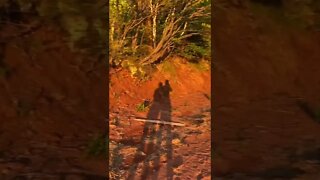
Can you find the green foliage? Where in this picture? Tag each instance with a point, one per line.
(193, 51)
(200, 65)
(137, 32)
(138, 71)
(98, 145)
(142, 107)
(83, 21)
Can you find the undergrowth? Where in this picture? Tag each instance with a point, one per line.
(200, 66)
(143, 107)
(168, 67)
(140, 72)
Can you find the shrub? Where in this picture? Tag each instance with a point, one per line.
(142, 107)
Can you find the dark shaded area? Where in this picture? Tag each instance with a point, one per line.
(280, 172)
(311, 155)
(62, 176)
(310, 111)
(14, 12)
(274, 3)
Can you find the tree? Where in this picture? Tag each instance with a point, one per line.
(159, 25)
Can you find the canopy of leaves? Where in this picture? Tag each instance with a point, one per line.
(149, 31)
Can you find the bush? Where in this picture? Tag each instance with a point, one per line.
(194, 52)
(142, 107)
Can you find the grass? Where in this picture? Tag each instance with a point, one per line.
(200, 66)
(98, 145)
(143, 107)
(168, 67)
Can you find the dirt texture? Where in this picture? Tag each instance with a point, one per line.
(266, 97)
(48, 111)
(140, 150)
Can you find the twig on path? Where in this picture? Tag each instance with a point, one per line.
(159, 121)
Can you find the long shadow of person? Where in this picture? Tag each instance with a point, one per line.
(161, 106)
(166, 116)
(148, 130)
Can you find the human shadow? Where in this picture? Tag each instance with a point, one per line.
(153, 135)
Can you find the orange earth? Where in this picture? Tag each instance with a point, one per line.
(266, 83)
(48, 111)
(140, 150)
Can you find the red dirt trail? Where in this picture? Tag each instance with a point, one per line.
(163, 152)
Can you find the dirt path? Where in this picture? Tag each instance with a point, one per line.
(141, 150)
(170, 152)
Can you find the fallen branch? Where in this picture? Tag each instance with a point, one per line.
(159, 122)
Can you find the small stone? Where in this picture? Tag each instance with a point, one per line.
(176, 142)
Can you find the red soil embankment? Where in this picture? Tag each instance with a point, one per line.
(261, 69)
(51, 106)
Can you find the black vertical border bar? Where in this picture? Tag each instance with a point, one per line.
(107, 81)
(212, 92)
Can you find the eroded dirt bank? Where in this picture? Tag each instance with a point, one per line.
(266, 93)
(53, 102)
